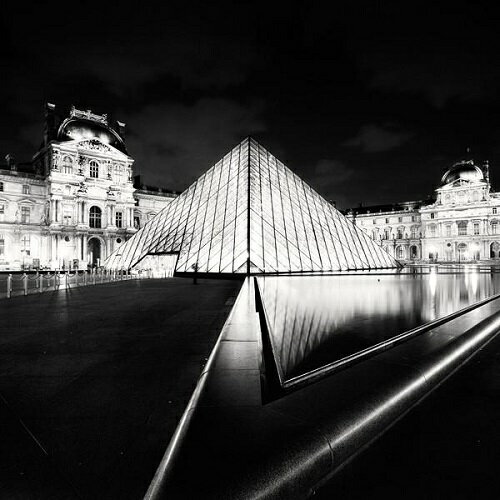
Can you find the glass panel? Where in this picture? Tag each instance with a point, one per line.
(292, 228)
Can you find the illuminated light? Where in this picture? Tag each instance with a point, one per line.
(433, 282)
(249, 211)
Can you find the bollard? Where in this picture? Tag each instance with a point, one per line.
(40, 284)
(9, 285)
(25, 278)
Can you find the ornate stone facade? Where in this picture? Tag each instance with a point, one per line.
(460, 225)
(75, 202)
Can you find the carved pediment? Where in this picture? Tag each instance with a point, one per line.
(94, 145)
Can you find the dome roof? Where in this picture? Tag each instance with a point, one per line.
(463, 170)
(80, 129)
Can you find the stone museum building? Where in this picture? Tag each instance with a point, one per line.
(77, 200)
(460, 224)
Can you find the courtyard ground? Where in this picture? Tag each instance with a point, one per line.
(93, 381)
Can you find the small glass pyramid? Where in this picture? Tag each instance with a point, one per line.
(250, 214)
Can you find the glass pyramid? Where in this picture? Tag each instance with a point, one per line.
(250, 214)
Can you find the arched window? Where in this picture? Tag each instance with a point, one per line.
(95, 217)
(94, 169)
(67, 165)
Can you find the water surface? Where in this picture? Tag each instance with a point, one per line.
(316, 320)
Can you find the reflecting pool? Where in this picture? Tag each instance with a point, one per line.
(316, 320)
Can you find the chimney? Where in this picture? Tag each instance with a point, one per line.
(121, 128)
(50, 123)
(11, 162)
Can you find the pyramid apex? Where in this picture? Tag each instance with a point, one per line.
(262, 218)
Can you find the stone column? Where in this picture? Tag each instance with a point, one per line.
(85, 250)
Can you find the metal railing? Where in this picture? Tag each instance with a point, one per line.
(12, 285)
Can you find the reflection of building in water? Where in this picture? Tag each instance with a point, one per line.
(76, 201)
(322, 319)
(462, 224)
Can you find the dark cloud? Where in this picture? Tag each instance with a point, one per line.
(330, 177)
(353, 100)
(176, 143)
(375, 138)
(439, 74)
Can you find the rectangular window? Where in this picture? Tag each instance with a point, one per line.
(1, 186)
(119, 219)
(118, 174)
(448, 230)
(476, 227)
(94, 169)
(2, 212)
(494, 226)
(2, 246)
(67, 216)
(462, 228)
(387, 221)
(26, 189)
(25, 215)
(374, 221)
(413, 218)
(400, 219)
(432, 215)
(494, 209)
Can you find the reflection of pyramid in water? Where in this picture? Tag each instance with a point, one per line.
(251, 214)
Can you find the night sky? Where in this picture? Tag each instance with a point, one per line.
(367, 104)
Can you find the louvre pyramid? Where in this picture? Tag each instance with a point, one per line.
(250, 214)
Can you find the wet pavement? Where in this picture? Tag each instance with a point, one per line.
(94, 379)
(446, 447)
